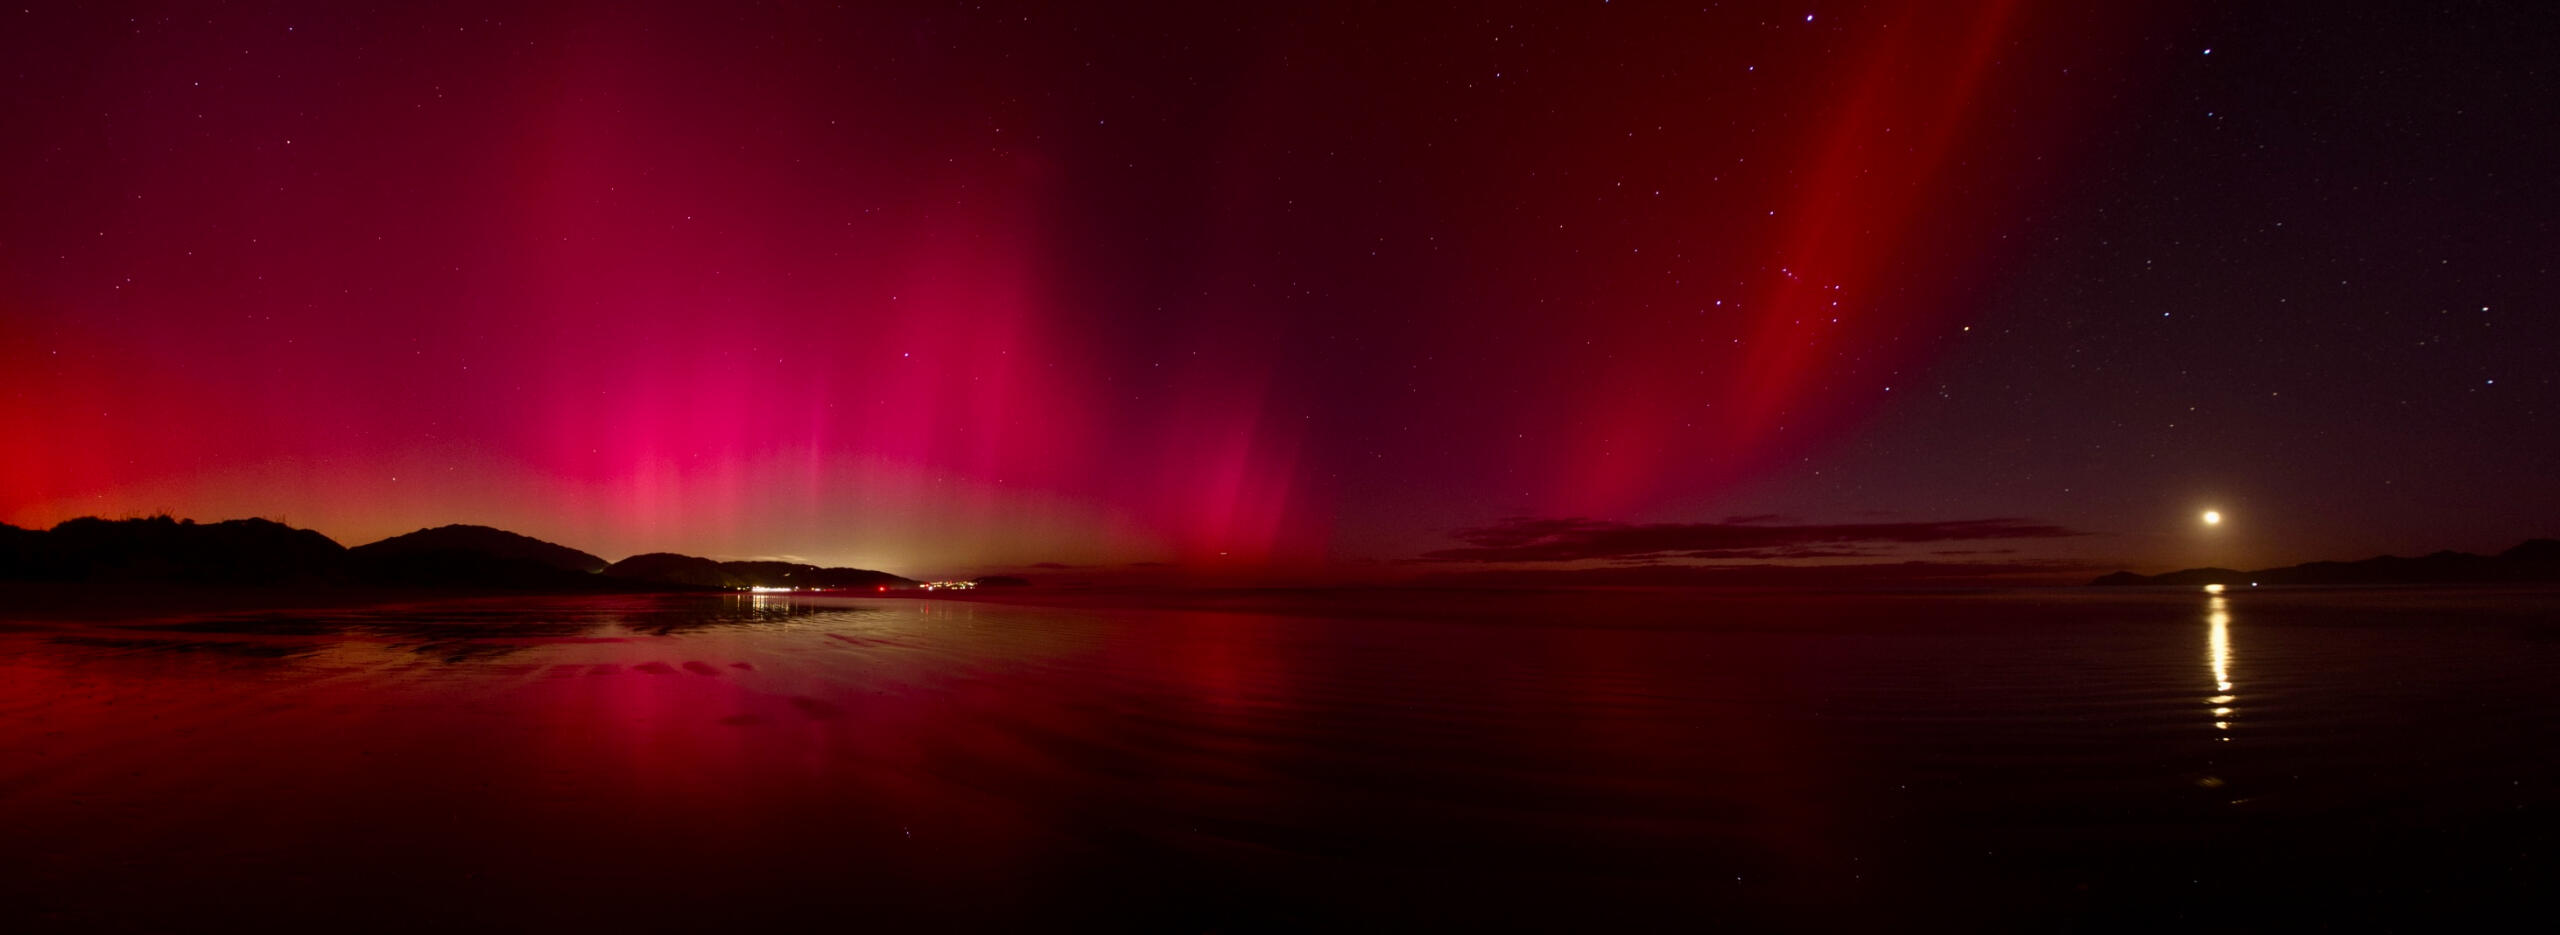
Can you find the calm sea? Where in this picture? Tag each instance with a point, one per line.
(2070, 759)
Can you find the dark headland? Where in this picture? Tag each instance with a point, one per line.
(184, 560)
(2535, 561)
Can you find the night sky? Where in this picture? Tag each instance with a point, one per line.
(1322, 291)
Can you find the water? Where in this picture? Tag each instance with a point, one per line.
(2038, 760)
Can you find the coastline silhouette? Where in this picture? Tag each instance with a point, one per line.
(260, 553)
(2532, 561)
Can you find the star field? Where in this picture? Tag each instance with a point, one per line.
(929, 286)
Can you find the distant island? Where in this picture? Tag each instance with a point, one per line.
(161, 550)
(2534, 561)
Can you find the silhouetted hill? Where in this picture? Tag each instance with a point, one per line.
(262, 553)
(474, 557)
(2536, 560)
(793, 575)
(483, 540)
(2198, 576)
(1003, 581)
(669, 568)
(18, 548)
(2534, 551)
(159, 548)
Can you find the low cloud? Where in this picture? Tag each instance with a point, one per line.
(1753, 519)
(1801, 551)
(1575, 539)
(1881, 574)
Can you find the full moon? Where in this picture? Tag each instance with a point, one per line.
(2213, 517)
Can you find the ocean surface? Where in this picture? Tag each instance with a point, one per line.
(2074, 759)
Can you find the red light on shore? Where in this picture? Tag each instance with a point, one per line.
(884, 589)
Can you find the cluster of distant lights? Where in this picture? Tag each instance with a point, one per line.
(926, 586)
